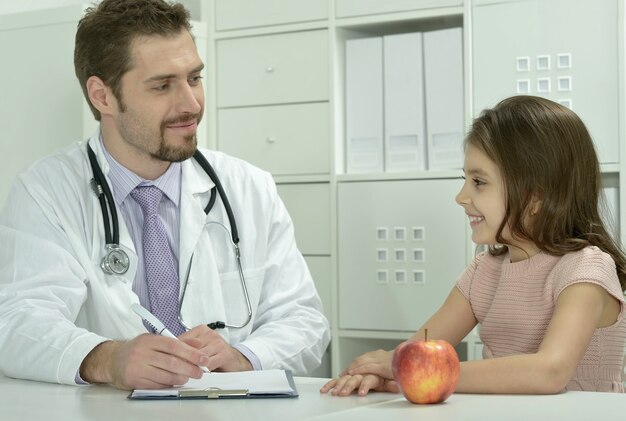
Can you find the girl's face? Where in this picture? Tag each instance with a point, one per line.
(483, 198)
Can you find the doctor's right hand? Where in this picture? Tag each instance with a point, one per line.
(145, 362)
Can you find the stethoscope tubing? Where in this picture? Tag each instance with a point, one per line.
(111, 228)
(102, 190)
(200, 159)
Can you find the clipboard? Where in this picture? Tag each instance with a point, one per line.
(236, 385)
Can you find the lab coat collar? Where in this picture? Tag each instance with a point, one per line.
(124, 181)
(194, 179)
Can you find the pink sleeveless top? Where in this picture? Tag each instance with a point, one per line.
(514, 302)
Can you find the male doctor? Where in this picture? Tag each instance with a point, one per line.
(62, 318)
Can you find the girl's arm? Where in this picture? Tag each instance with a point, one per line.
(372, 371)
(579, 310)
(452, 322)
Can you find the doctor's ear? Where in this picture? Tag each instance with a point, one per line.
(100, 95)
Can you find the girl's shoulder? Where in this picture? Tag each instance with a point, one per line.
(588, 260)
(590, 264)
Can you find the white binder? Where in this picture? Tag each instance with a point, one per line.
(443, 63)
(405, 125)
(364, 105)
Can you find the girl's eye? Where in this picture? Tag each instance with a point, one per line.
(477, 182)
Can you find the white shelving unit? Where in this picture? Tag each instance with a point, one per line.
(301, 139)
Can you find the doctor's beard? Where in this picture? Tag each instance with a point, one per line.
(171, 153)
(136, 130)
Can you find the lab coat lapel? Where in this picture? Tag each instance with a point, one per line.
(203, 301)
(196, 188)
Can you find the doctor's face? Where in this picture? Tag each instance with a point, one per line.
(162, 99)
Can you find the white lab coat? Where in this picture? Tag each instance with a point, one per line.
(56, 304)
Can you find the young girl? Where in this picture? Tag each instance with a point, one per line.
(548, 294)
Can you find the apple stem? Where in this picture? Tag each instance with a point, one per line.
(425, 334)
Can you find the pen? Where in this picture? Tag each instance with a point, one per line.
(156, 323)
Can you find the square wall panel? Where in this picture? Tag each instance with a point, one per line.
(402, 246)
(566, 51)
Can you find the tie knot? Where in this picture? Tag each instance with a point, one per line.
(148, 197)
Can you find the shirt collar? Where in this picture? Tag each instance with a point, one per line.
(123, 180)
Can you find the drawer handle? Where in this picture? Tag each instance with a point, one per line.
(269, 69)
(270, 139)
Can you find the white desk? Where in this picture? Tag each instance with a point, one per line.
(25, 400)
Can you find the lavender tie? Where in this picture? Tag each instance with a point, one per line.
(160, 270)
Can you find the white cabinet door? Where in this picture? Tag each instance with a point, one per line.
(282, 139)
(559, 49)
(273, 69)
(401, 248)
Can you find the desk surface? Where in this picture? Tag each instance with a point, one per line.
(26, 400)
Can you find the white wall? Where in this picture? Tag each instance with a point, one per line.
(15, 6)
(26, 5)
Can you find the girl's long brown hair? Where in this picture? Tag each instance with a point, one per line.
(545, 153)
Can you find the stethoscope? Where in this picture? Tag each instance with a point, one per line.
(116, 260)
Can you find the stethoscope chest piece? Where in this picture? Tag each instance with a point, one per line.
(115, 261)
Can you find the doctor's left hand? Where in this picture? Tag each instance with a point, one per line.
(222, 356)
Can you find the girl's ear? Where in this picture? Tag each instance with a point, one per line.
(535, 205)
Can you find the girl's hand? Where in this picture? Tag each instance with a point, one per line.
(375, 362)
(362, 383)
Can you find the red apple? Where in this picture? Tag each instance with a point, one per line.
(427, 371)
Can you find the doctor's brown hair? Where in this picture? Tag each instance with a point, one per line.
(551, 177)
(105, 34)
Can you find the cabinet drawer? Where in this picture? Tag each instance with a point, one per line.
(346, 8)
(309, 207)
(283, 139)
(235, 14)
(273, 69)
